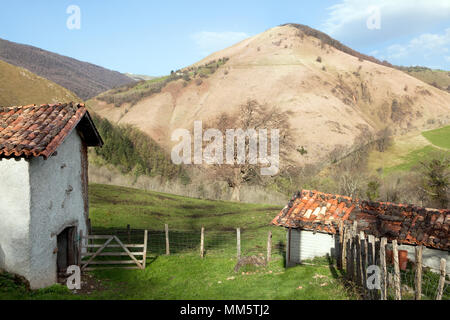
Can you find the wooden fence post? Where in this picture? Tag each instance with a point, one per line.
(418, 282)
(441, 280)
(362, 264)
(352, 257)
(129, 233)
(371, 260)
(344, 249)
(348, 255)
(383, 282)
(269, 246)
(238, 244)
(144, 257)
(202, 243)
(359, 278)
(341, 243)
(397, 280)
(167, 240)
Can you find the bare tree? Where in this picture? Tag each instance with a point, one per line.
(252, 117)
(383, 139)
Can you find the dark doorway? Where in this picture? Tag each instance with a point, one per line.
(67, 251)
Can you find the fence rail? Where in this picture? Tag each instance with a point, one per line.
(106, 249)
(202, 242)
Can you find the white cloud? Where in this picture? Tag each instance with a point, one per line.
(347, 20)
(426, 44)
(422, 50)
(209, 42)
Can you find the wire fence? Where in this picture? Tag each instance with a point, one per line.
(216, 243)
(430, 283)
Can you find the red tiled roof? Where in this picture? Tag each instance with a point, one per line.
(317, 211)
(33, 131)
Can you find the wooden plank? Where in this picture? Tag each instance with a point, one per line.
(112, 262)
(115, 246)
(383, 280)
(128, 251)
(339, 260)
(112, 254)
(441, 280)
(344, 249)
(97, 237)
(397, 280)
(269, 246)
(363, 267)
(167, 240)
(144, 258)
(376, 293)
(238, 243)
(351, 274)
(418, 275)
(110, 268)
(348, 254)
(370, 243)
(98, 252)
(359, 269)
(202, 243)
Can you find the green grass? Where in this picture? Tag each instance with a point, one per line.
(184, 275)
(115, 207)
(191, 278)
(439, 137)
(406, 152)
(412, 159)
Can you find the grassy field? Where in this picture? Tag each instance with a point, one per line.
(406, 152)
(184, 275)
(439, 137)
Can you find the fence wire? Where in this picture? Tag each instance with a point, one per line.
(430, 283)
(217, 243)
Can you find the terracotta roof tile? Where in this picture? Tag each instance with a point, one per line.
(33, 131)
(317, 211)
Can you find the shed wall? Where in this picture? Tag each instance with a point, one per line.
(57, 202)
(15, 244)
(306, 245)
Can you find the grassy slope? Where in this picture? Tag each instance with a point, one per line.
(439, 78)
(439, 137)
(21, 87)
(407, 151)
(187, 276)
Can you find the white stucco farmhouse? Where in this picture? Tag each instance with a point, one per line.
(43, 188)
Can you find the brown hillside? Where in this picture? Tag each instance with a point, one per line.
(334, 95)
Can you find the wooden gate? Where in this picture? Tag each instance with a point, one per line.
(120, 250)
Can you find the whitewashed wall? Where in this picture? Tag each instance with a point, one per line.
(15, 216)
(306, 245)
(56, 203)
(39, 199)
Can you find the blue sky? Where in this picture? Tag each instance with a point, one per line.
(155, 37)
